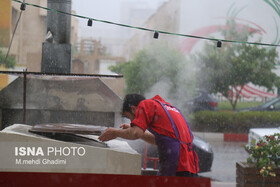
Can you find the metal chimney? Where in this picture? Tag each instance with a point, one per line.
(56, 54)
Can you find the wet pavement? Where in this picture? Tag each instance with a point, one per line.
(226, 154)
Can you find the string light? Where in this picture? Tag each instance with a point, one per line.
(89, 23)
(156, 34)
(151, 30)
(219, 44)
(22, 6)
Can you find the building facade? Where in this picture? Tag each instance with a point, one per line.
(165, 18)
(29, 36)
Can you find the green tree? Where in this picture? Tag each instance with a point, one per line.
(157, 63)
(224, 69)
(10, 62)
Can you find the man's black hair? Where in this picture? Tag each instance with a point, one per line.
(131, 99)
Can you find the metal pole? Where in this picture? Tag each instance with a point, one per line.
(24, 96)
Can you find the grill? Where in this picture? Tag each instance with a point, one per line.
(38, 99)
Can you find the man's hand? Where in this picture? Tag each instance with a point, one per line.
(109, 134)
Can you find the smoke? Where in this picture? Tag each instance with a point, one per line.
(160, 88)
(178, 92)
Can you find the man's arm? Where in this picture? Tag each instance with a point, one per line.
(131, 133)
(149, 138)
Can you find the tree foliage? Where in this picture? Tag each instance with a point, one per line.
(10, 62)
(157, 64)
(234, 65)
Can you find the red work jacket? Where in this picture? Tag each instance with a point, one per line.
(150, 113)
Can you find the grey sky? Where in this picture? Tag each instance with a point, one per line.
(109, 10)
(106, 9)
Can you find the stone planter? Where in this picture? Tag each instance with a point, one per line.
(248, 176)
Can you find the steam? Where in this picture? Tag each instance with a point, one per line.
(184, 87)
(160, 88)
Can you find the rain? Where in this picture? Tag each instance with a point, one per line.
(67, 65)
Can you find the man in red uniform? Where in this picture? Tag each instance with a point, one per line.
(167, 128)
